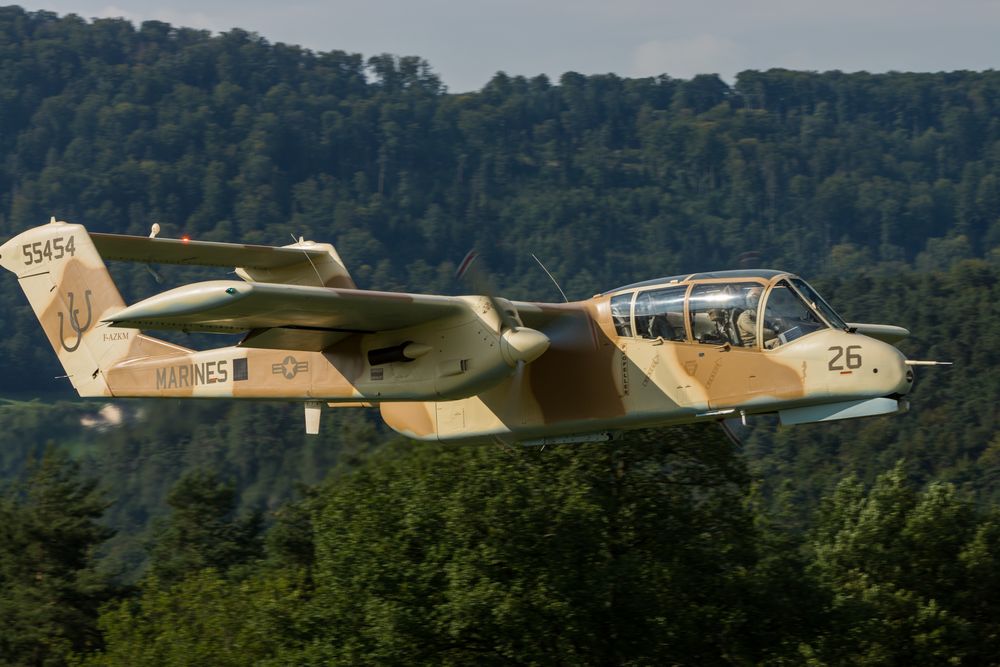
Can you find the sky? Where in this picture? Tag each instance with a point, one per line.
(467, 41)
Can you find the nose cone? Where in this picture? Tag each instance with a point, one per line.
(906, 384)
(897, 377)
(523, 344)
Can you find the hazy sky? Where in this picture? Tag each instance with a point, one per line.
(467, 41)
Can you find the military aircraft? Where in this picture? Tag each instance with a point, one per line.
(689, 348)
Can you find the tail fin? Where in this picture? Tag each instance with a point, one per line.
(71, 292)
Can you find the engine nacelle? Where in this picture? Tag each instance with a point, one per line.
(445, 359)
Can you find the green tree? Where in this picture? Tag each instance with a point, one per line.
(206, 619)
(50, 586)
(899, 566)
(202, 530)
(634, 552)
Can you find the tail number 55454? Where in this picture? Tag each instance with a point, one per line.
(54, 248)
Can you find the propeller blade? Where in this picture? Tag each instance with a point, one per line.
(570, 332)
(469, 270)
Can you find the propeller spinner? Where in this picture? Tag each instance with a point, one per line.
(517, 343)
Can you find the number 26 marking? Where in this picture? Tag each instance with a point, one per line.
(850, 356)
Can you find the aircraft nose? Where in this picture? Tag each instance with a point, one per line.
(906, 384)
(900, 380)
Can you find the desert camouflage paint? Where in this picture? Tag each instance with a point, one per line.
(442, 368)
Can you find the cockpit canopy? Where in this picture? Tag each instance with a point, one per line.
(723, 308)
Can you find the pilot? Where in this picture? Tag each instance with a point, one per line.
(747, 321)
(718, 335)
(660, 327)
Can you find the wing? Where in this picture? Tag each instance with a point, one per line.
(200, 253)
(302, 263)
(285, 316)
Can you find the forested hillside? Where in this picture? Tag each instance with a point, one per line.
(869, 542)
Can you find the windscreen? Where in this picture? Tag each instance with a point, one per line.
(819, 303)
(787, 317)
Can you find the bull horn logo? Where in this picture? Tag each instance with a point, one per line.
(74, 321)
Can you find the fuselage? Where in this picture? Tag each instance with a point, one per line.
(664, 352)
(629, 371)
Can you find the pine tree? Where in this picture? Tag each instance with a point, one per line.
(50, 589)
(203, 531)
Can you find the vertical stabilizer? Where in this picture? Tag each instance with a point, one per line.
(71, 292)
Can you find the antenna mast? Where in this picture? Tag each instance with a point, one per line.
(551, 277)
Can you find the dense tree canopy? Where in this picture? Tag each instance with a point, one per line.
(647, 551)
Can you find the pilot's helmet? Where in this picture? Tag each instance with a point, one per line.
(753, 297)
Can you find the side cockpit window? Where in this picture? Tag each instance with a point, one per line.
(621, 313)
(660, 314)
(717, 313)
(787, 316)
